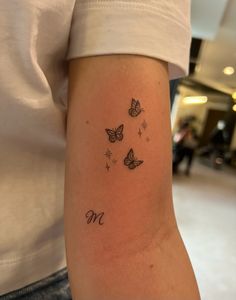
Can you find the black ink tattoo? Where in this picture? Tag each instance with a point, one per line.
(115, 134)
(144, 125)
(108, 154)
(135, 109)
(131, 161)
(107, 167)
(92, 217)
(140, 132)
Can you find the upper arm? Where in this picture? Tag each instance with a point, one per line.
(119, 224)
(100, 95)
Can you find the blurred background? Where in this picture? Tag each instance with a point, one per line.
(204, 148)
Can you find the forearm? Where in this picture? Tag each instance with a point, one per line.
(127, 251)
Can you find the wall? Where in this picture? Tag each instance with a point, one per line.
(181, 110)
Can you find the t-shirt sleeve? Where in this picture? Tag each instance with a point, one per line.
(158, 29)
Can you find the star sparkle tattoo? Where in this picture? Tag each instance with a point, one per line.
(114, 161)
(92, 217)
(108, 154)
(131, 161)
(139, 132)
(107, 167)
(115, 134)
(135, 108)
(144, 125)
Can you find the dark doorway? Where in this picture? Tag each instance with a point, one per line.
(213, 117)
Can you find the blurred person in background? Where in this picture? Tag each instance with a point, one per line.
(185, 141)
(217, 145)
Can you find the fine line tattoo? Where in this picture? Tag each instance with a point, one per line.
(115, 134)
(144, 124)
(107, 167)
(140, 132)
(114, 161)
(135, 108)
(131, 161)
(93, 217)
(108, 154)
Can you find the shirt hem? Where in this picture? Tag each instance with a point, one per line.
(104, 31)
(17, 273)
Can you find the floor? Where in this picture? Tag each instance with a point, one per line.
(205, 206)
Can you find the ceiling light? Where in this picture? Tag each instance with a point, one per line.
(228, 70)
(195, 100)
(234, 95)
(234, 107)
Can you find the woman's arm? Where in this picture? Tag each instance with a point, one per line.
(121, 236)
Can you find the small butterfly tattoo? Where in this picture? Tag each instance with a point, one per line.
(135, 109)
(115, 134)
(131, 161)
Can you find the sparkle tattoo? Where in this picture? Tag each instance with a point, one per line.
(131, 161)
(107, 167)
(92, 217)
(144, 125)
(115, 134)
(108, 154)
(140, 132)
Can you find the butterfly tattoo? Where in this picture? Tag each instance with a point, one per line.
(115, 134)
(135, 109)
(131, 161)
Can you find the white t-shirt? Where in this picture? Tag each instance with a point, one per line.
(37, 37)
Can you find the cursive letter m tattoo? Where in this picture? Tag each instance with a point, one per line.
(93, 217)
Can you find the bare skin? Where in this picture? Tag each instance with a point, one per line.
(122, 240)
